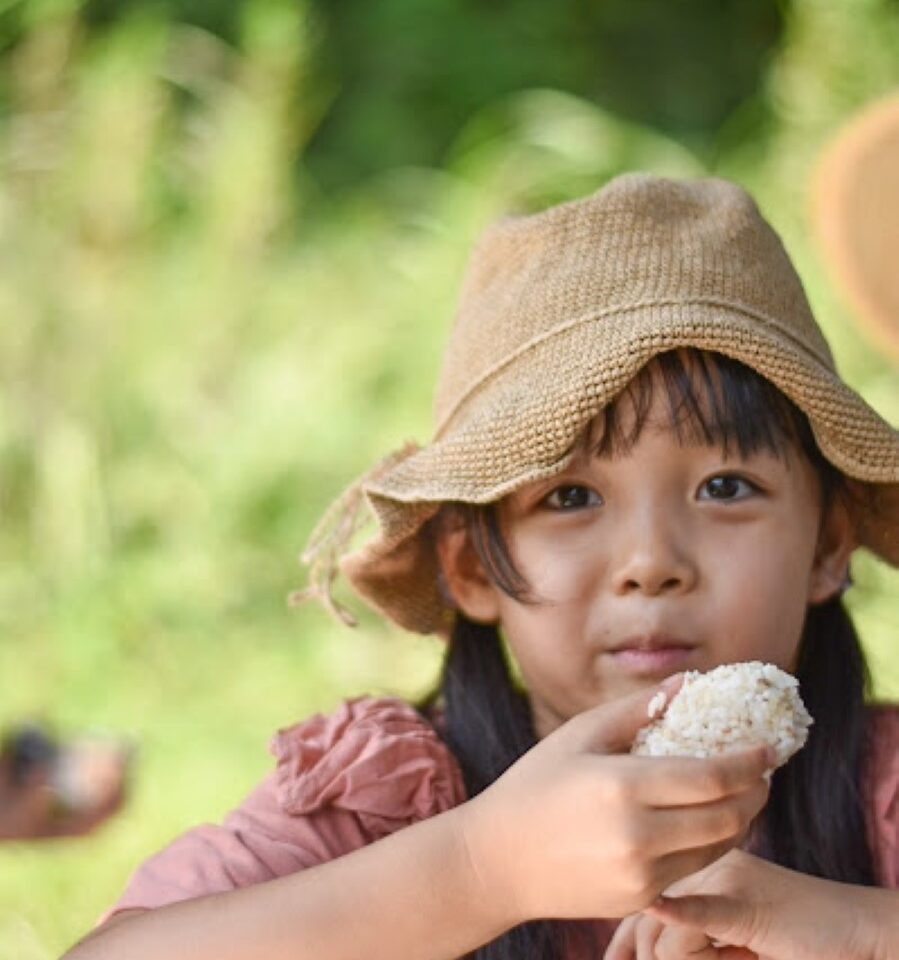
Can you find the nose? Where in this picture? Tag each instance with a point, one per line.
(653, 557)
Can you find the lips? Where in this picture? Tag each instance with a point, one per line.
(651, 643)
(651, 656)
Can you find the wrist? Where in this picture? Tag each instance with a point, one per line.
(864, 920)
(488, 880)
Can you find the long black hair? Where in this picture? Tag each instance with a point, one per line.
(814, 821)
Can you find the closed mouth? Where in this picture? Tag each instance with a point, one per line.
(651, 643)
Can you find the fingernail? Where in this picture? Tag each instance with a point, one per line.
(771, 755)
(657, 705)
(671, 682)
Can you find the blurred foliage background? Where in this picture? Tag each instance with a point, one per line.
(231, 239)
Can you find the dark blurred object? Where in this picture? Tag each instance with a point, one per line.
(28, 749)
(50, 788)
(856, 212)
(410, 75)
(402, 78)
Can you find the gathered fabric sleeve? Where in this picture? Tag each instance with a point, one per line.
(883, 790)
(341, 781)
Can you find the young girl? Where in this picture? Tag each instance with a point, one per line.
(644, 462)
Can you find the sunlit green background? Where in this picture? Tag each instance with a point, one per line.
(231, 234)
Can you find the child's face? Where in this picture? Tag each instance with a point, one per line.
(663, 544)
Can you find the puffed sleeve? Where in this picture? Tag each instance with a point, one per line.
(884, 794)
(341, 781)
(376, 758)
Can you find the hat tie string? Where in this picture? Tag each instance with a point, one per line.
(331, 537)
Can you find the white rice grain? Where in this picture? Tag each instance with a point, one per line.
(735, 705)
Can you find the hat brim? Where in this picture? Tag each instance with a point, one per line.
(520, 427)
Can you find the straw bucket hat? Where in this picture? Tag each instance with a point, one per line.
(558, 311)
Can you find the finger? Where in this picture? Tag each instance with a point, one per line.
(648, 931)
(682, 863)
(670, 947)
(709, 879)
(611, 727)
(680, 828)
(677, 943)
(720, 917)
(675, 781)
(622, 945)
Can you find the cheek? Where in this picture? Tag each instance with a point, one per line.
(559, 568)
(761, 596)
(546, 641)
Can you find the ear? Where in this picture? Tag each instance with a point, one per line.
(470, 588)
(836, 541)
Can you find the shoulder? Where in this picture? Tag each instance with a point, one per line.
(342, 780)
(883, 788)
(375, 756)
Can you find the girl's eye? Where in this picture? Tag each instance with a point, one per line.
(727, 486)
(572, 497)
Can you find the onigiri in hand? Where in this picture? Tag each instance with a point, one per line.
(733, 706)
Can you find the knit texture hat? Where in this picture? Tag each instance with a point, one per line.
(558, 311)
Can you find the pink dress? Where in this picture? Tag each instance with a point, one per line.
(372, 767)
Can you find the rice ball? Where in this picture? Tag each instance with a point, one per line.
(733, 706)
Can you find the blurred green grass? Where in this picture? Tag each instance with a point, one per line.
(198, 350)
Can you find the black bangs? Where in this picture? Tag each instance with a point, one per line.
(712, 400)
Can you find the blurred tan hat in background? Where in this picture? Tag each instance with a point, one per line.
(856, 214)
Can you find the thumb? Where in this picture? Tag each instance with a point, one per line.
(722, 918)
(612, 727)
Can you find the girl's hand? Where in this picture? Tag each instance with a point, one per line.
(770, 912)
(575, 830)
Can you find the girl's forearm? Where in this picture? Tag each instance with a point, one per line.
(413, 894)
